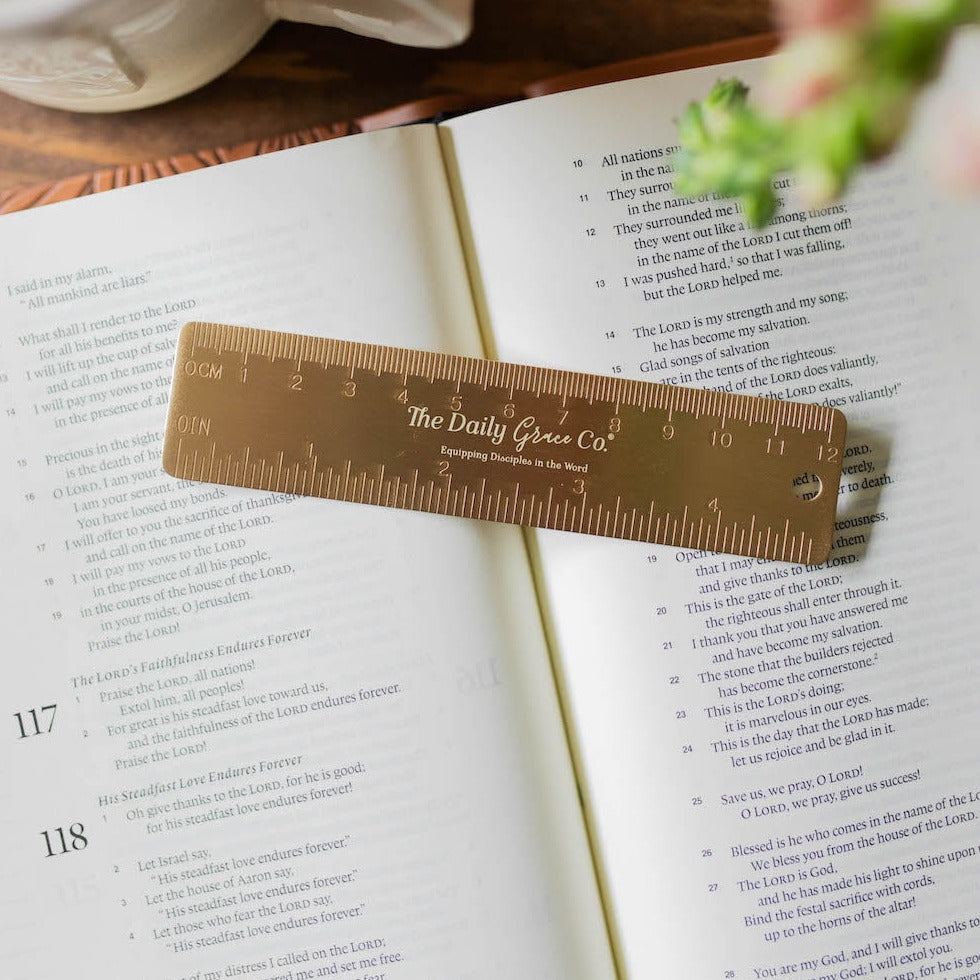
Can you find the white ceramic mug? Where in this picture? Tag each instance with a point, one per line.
(106, 55)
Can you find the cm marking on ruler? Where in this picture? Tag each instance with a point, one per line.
(534, 446)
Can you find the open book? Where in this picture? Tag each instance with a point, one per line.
(256, 735)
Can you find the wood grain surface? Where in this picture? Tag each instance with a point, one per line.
(300, 77)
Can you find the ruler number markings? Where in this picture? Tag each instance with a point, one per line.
(531, 439)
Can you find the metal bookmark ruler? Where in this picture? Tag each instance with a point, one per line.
(505, 442)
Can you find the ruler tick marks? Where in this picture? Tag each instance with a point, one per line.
(650, 482)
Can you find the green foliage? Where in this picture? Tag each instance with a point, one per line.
(731, 148)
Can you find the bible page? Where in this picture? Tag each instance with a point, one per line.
(780, 761)
(250, 734)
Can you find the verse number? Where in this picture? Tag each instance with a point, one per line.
(59, 842)
(37, 721)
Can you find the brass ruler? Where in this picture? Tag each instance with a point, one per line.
(504, 442)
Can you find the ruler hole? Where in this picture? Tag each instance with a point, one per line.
(807, 486)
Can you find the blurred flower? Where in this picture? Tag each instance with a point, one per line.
(957, 151)
(806, 15)
(809, 68)
(839, 92)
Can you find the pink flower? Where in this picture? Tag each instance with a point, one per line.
(793, 16)
(809, 67)
(957, 149)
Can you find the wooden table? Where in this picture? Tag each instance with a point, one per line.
(300, 76)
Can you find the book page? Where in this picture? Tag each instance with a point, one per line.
(249, 734)
(780, 760)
